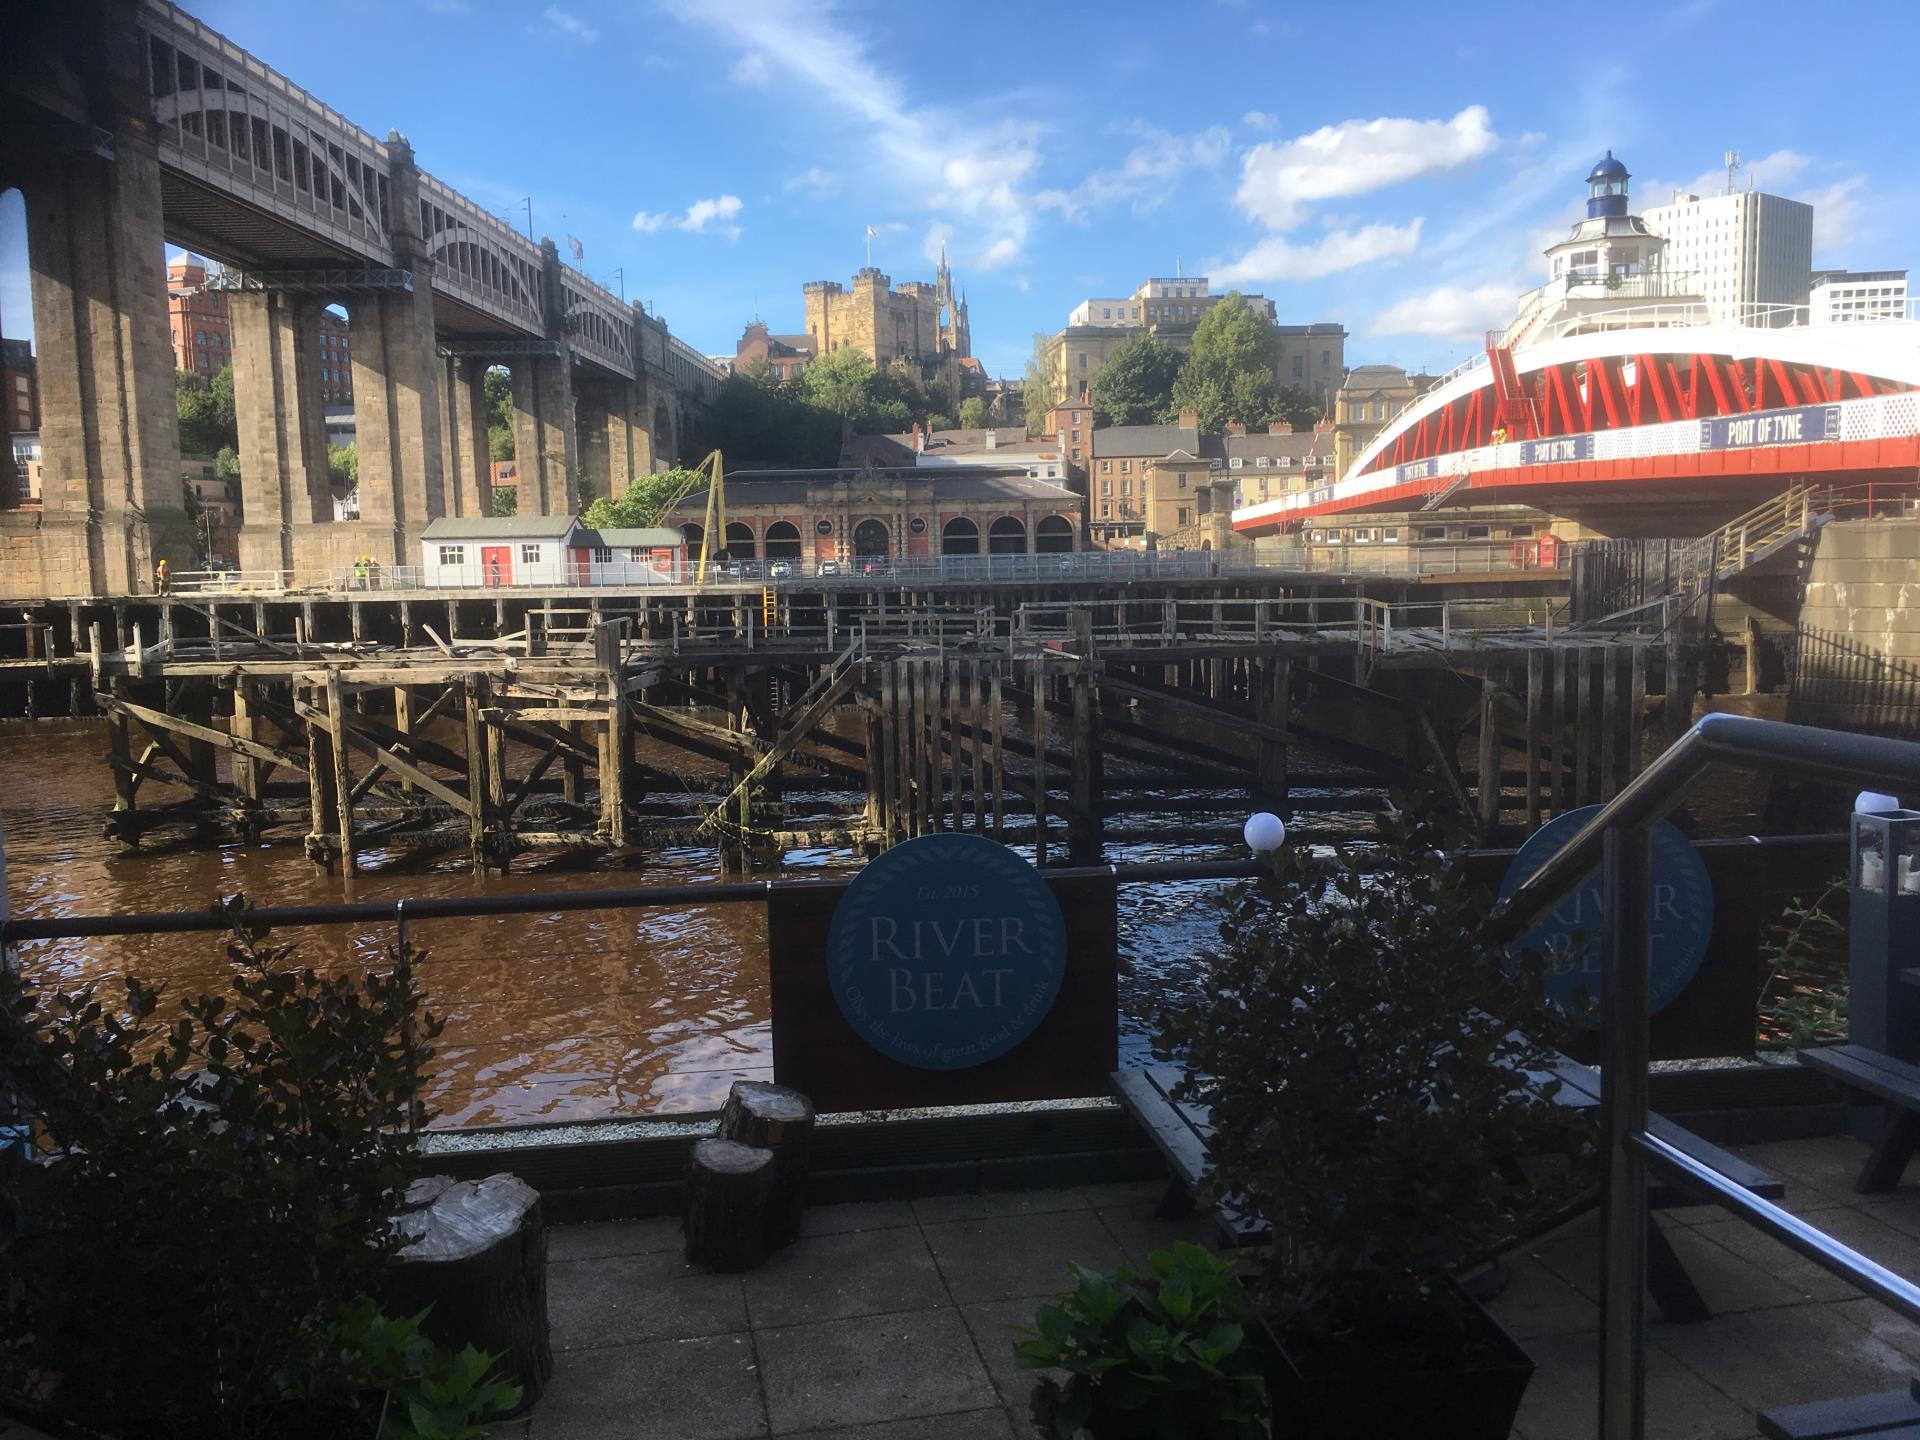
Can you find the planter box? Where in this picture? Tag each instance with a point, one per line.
(1324, 1390)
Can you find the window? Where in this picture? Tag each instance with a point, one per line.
(637, 555)
(1106, 312)
(1076, 437)
(453, 554)
(1390, 533)
(1083, 359)
(529, 554)
(1125, 466)
(1264, 462)
(1326, 358)
(1106, 510)
(1520, 532)
(1076, 454)
(1285, 462)
(1299, 366)
(1379, 409)
(1106, 487)
(199, 337)
(1105, 466)
(1183, 480)
(1433, 532)
(1362, 537)
(1126, 487)
(1185, 516)
(603, 554)
(1234, 462)
(1478, 532)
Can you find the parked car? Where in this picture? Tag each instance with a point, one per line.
(827, 568)
(780, 570)
(751, 570)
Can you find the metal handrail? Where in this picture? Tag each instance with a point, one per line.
(1619, 842)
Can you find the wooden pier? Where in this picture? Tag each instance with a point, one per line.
(757, 723)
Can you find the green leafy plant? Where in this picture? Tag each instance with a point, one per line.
(1803, 1000)
(1153, 1357)
(1364, 1046)
(206, 1194)
(432, 1395)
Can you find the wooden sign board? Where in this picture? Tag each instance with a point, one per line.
(1069, 1054)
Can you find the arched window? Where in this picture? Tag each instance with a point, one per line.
(870, 537)
(739, 541)
(695, 534)
(1054, 533)
(1007, 536)
(783, 541)
(960, 536)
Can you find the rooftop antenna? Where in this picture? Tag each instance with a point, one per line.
(1176, 267)
(1732, 159)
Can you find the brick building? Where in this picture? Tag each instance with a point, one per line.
(198, 318)
(19, 387)
(786, 356)
(336, 360)
(856, 516)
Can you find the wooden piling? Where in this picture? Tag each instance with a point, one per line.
(1536, 670)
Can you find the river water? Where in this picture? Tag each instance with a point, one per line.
(556, 1017)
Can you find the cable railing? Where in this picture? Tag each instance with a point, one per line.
(1618, 842)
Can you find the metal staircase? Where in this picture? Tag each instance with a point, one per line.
(1785, 522)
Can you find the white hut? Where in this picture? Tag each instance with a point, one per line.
(506, 550)
(640, 556)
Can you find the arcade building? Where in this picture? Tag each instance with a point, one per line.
(852, 516)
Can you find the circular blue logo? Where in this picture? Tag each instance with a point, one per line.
(946, 952)
(1682, 920)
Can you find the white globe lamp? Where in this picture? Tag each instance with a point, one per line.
(1265, 833)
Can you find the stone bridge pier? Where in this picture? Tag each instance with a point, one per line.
(111, 503)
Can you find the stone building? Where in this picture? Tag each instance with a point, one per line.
(19, 387)
(336, 359)
(1370, 396)
(876, 515)
(1155, 487)
(922, 326)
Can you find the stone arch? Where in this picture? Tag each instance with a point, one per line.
(872, 538)
(740, 542)
(696, 534)
(1053, 534)
(782, 541)
(960, 536)
(1007, 536)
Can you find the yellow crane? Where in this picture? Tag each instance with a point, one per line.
(713, 471)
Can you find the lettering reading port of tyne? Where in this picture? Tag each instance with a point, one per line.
(946, 952)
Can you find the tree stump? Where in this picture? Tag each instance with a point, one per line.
(774, 1118)
(477, 1253)
(734, 1216)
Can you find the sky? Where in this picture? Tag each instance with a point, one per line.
(1396, 169)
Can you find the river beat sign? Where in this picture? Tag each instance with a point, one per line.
(948, 971)
(1570, 936)
(946, 952)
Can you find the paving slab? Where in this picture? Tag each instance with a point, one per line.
(1561, 1403)
(859, 1215)
(705, 1389)
(1788, 1266)
(995, 1325)
(834, 1277)
(840, 1373)
(599, 1239)
(963, 1425)
(1766, 1358)
(1141, 1232)
(1537, 1302)
(621, 1299)
(1819, 1172)
(939, 1209)
(1020, 1255)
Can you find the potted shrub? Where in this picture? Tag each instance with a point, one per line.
(207, 1195)
(1363, 1046)
(1153, 1357)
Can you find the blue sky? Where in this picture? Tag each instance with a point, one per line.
(1396, 169)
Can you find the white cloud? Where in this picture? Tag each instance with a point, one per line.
(1146, 176)
(1448, 312)
(570, 25)
(934, 243)
(815, 182)
(1003, 251)
(1836, 214)
(1277, 258)
(932, 157)
(1280, 180)
(703, 217)
(750, 69)
(1259, 120)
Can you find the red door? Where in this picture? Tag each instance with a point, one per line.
(496, 564)
(579, 566)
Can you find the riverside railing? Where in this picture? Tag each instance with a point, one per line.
(1619, 843)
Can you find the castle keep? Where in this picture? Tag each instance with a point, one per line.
(914, 323)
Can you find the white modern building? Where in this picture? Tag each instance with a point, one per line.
(1850, 297)
(1175, 300)
(1742, 250)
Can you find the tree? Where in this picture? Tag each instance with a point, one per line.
(343, 465)
(1297, 407)
(506, 501)
(206, 411)
(1136, 382)
(1229, 373)
(1038, 390)
(973, 413)
(773, 422)
(841, 381)
(645, 503)
(939, 422)
(499, 390)
(226, 463)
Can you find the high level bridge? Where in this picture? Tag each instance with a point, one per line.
(1643, 420)
(130, 125)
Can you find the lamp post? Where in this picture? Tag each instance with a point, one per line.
(1264, 833)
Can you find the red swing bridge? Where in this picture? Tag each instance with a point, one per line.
(1643, 421)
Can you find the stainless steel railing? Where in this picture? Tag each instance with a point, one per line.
(1619, 843)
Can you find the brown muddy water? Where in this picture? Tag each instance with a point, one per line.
(548, 1017)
